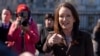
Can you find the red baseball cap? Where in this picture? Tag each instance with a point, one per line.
(22, 7)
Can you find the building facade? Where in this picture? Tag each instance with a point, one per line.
(89, 10)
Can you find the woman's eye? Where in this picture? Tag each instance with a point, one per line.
(61, 16)
(67, 15)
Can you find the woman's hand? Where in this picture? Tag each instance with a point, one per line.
(55, 39)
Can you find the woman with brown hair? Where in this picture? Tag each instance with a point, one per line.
(67, 39)
(96, 35)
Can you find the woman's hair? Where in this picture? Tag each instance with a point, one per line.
(57, 27)
(97, 27)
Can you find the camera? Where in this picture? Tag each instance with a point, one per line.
(24, 22)
(24, 18)
(24, 14)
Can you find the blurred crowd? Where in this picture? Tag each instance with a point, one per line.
(60, 35)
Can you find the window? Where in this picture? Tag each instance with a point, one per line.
(90, 20)
(21, 1)
(40, 3)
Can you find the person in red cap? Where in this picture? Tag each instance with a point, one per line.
(23, 33)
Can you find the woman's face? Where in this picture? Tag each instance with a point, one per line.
(66, 18)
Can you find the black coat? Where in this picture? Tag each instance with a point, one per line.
(82, 47)
(3, 32)
(43, 35)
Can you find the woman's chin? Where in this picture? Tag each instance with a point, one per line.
(64, 28)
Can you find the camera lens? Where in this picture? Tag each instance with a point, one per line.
(24, 14)
(24, 22)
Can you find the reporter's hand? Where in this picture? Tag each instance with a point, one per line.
(13, 26)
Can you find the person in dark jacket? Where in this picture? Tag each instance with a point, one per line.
(67, 39)
(49, 21)
(96, 33)
(5, 24)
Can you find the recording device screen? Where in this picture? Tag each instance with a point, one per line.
(24, 18)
